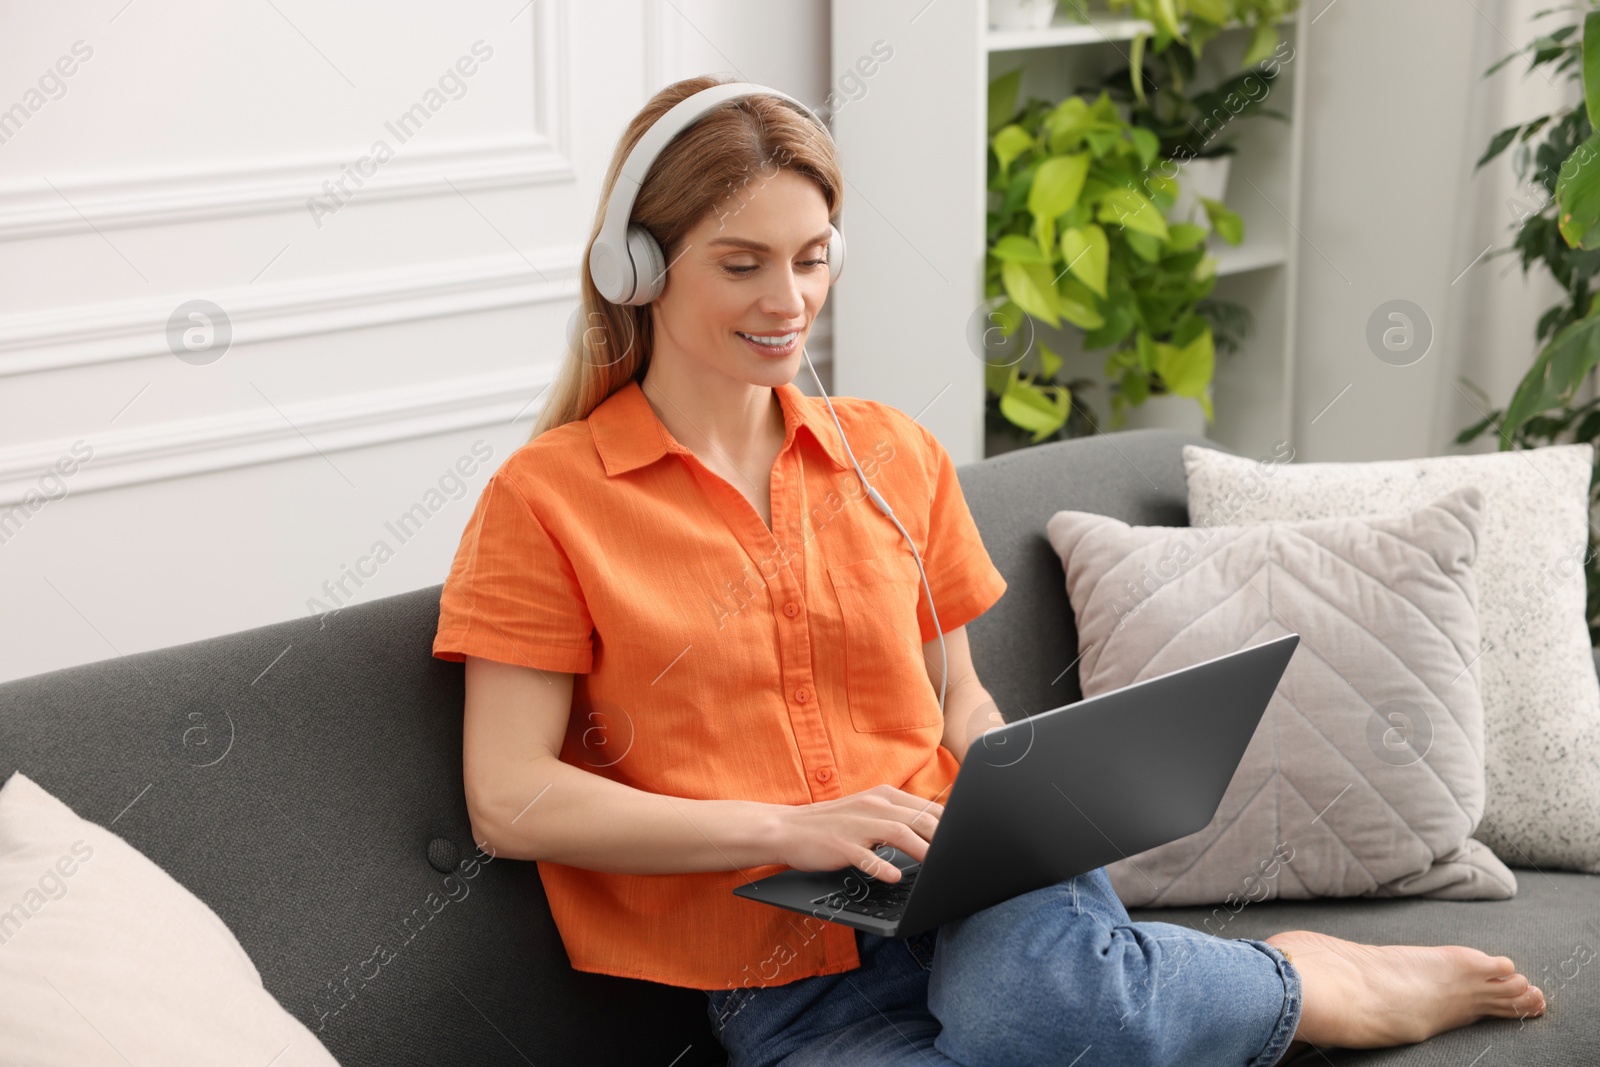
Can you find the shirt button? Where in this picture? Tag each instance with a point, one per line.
(791, 609)
(824, 774)
(802, 694)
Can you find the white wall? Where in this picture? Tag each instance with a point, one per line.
(385, 349)
(1398, 112)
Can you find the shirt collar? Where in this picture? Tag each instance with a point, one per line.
(628, 434)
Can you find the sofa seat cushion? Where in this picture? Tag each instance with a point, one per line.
(1550, 929)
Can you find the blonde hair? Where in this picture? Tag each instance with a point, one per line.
(702, 166)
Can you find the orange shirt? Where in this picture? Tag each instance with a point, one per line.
(718, 659)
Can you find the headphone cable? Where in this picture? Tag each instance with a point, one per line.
(883, 506)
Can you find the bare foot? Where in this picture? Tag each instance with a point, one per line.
(1375, 996)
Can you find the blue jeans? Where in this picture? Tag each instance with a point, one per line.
(1057, 976)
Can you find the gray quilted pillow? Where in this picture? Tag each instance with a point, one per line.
(1365, 777)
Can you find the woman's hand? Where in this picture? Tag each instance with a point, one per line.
(833, 834)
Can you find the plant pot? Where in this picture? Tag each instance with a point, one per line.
(1167, 411)
(1197, 178)
(1021, 14)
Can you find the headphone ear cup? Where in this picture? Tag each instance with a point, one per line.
(649, 265)
(835, 254)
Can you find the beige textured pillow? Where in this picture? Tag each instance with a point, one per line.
(1541, 699)
(105, 958)
(1365, 776)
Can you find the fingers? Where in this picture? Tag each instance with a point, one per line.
(897, 818)
(875, 866)
(911, 800)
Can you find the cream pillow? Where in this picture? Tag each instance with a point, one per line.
(1365, 775)
(1541, 699)
(106, 959)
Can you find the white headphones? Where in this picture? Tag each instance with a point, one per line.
(625, 261)
(628, 267)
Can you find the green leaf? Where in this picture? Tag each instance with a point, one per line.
(1103, 142)
(1049, 362)
(1263, 42)
(1499, 144)
(1057, 184)
(1210, 10)
(1144, 246)
(1026, 405)
(1229, 226)
(1136, 66)
(1163, 191)
(1133, 211)
(1591, 67)
(1471, 432)
(1029, 284)
(1578, 194)
(1088, 255)
(1134, 386)
(1066, 124)
(1008, 316)
(1015, 248)
(1010, 143)
(1145, 348)
(1167, 17)
(1189, 329)
(1003, 98)
(1554, 375)
(1502, 62)
(1183, 236)
(1076, 304)
(1146, 142)
(1119, 316)
(1187, 370)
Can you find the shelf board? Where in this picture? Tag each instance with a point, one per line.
(1248, 257)
(1061, 33)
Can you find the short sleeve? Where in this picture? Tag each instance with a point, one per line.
(512, 594)
(964, 581)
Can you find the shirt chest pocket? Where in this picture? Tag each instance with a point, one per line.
(886, 683)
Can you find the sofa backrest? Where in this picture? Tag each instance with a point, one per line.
(1025, 648)
(304, 779)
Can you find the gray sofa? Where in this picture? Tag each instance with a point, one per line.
(304, 779)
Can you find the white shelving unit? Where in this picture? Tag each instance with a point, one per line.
(913, 145)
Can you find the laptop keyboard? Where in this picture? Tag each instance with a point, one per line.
(882, 900)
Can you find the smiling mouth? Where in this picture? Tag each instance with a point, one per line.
(777, 344)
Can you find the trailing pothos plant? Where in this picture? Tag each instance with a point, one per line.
(1188, 123)
(1191, 24)
(1563, 233)
(1077, 233)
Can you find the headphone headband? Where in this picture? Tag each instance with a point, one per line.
(625, 261)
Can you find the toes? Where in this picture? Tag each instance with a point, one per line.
(1528, 1004)
(1511, 986)
(1500, 965)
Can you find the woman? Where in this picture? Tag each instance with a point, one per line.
(692, 660)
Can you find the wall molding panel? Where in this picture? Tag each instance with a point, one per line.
(268, 434)
(52, 340)
(112, 200)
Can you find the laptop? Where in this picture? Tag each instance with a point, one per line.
(1053, 795)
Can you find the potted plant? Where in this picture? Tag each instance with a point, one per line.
(1077, 234)
(1193, 23)
(1158, 96)
(1557, 213)
(1021, 14)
